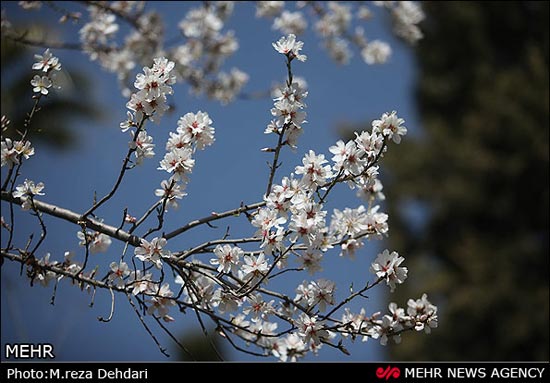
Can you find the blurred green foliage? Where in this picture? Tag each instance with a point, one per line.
(479, 172)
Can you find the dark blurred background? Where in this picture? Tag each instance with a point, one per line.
(469, 198)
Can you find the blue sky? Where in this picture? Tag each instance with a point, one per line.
(230, 171)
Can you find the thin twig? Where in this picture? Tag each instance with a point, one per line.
(100, 318)
(162, 349)
(214, 217)
(123, 169)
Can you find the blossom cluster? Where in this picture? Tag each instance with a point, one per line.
(340, 25)
(199, 56)
(420, 315)
(13, 151)
(291, 224)
(205, 44)
(47, 65)
(294, 210)
(149, 102)
(26, 191)
(288, 100)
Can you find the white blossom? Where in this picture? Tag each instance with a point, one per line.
(228, 258)
(387, 266)
(152, 251)
(97, 242)
(26, 191)
(390, 126)
(46, 62)
(289, 46)
(119, 271)
(41, 84)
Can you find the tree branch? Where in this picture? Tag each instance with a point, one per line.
(214, 217)
(76, 218)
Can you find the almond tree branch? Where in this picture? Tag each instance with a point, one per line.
(76, 218)
(125, 167)
(213, 217)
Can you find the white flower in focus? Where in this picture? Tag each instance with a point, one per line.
(387, 266)
(46, 62)
(322, 292)
(349, 222)
(385, 328)
(129, 123)
(28, 189)
(273, 241)
(377, 222)
(228, 258)
(143, 146)
(355, 323)
(254, 266)
(41, 84)
(370, 143)
(288, 46)
(295, 94)
(138, 105)
(23, 148)
(376, 52)
(178, 161)
(196, 129)
(265, 219)
(423, 313)
(119, 271)
(162, 68)
(390, 126)
(286, 112)
(313, 172)
(257, 308)
(151, 84)
(398, 313)
(347, 157)
(152, 251)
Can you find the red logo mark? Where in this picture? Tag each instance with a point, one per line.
(389, 372)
